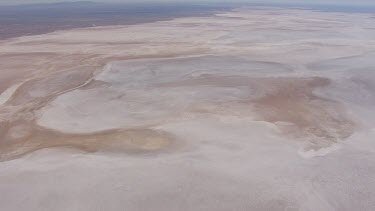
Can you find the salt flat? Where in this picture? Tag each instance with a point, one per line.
(251, 109)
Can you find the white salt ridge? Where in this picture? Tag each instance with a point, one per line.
(318, 153)
(8, 93)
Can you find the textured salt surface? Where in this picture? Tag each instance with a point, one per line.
(254, 109)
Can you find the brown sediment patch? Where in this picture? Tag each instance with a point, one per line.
(123, 141)
(51, 84)
(288, 102)
(15, 67)
(319, 120)
(19, 134)
(18, 67)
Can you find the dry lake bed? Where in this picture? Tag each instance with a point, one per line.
(256, 108)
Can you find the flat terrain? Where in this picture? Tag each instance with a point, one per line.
(257, 108)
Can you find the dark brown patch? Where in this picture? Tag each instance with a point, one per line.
(289, 100)
(321, 121)
(124, 141)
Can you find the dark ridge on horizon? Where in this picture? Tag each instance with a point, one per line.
(41, 18)
(34, 19)
(330, 6)
(49, 4)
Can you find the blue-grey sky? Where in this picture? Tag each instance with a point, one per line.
(338, 2)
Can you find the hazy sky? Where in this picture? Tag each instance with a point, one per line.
(339, 2)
